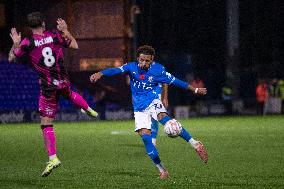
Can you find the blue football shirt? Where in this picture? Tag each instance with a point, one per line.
(145, 84)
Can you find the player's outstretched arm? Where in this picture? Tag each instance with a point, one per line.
(185, 85)
(62, 26)
(16, 37)
(109, 72)
(168, 78)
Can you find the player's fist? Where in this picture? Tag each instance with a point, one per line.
(95, 77)
(200, 91)
(16, 37)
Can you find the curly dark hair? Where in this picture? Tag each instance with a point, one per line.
(35, 19)
(145, 49)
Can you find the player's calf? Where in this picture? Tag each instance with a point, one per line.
(150, 148)
(79, 101)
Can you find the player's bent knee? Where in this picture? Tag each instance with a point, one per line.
(162, 115)
(46, 120)
(172, 128)
(144, 131)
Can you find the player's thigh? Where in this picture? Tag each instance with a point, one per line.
(142, 120)
(48, 103)
(65, 92)
(157, 109)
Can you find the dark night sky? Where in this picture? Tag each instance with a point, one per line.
(199, 28)
(185, 26)
(261, 36)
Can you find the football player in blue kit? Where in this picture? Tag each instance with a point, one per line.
(146, 77)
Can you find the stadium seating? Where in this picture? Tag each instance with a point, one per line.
(19, 89)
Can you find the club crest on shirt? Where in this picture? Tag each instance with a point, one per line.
(150, 79)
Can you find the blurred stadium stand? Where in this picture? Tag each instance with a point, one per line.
(19, 89)
(188, 40)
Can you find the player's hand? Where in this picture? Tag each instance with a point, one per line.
(95, 77)
(61, 25)
(200, 91)
(16, 37)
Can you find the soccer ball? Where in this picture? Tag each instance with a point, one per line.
(172, 128)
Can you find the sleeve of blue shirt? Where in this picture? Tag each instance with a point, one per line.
(116, 71)
(168, 78)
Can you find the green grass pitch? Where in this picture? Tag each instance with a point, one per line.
(244, 152)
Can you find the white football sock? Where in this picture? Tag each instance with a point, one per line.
(52, 157)
(160, 167)
(193, 142)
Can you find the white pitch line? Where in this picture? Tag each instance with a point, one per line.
(121, 133)
(128, 133)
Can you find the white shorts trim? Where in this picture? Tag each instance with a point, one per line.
(143, 119)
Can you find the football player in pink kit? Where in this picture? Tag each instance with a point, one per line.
(44, 52)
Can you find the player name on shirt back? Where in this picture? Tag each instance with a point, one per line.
(43, 41)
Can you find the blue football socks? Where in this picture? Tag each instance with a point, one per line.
(154, 128)
(185, 135)
(151, 149)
